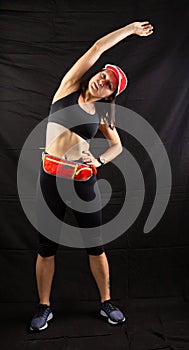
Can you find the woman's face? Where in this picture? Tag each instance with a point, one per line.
(103, 84)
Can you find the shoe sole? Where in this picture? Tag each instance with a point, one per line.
(45, 326)
(109, 320)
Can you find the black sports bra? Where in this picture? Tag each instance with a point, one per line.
(67, 112)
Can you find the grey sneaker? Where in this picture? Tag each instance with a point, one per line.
(113, 314)
(41, 318)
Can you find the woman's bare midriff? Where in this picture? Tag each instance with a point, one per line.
(64, 143)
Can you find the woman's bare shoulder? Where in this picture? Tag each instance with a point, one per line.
(64, 91)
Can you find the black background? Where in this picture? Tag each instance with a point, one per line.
(40, 40)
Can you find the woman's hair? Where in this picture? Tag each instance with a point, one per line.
(106, 110)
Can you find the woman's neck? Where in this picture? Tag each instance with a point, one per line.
(88, 98)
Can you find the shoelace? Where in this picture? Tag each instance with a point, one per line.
(110, 307)
(41, 310)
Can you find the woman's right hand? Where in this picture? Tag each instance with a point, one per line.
(142, 28)
(88, 158)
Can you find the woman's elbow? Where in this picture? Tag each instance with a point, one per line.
(120, 148)
(98, 47)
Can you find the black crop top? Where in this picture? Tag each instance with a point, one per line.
(67, 112)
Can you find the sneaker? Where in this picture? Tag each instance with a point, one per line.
(114, 315)
(41, 318)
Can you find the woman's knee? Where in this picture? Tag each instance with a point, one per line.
(42, 257)
(46, 247)
(95, 251)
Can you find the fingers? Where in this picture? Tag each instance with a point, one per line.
(87, 157)
(147, 26)
(86, 152)
(150, 31)
(143, 23)
(146, 34)
(147, 30)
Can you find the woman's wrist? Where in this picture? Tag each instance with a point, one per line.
(131, 28)
(98, 162)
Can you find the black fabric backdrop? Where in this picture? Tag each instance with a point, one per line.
(39, 41)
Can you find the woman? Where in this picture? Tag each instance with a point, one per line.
(65, 143)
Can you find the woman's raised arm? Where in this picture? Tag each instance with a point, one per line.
(71, 80)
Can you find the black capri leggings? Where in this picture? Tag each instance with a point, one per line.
(47, 191)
